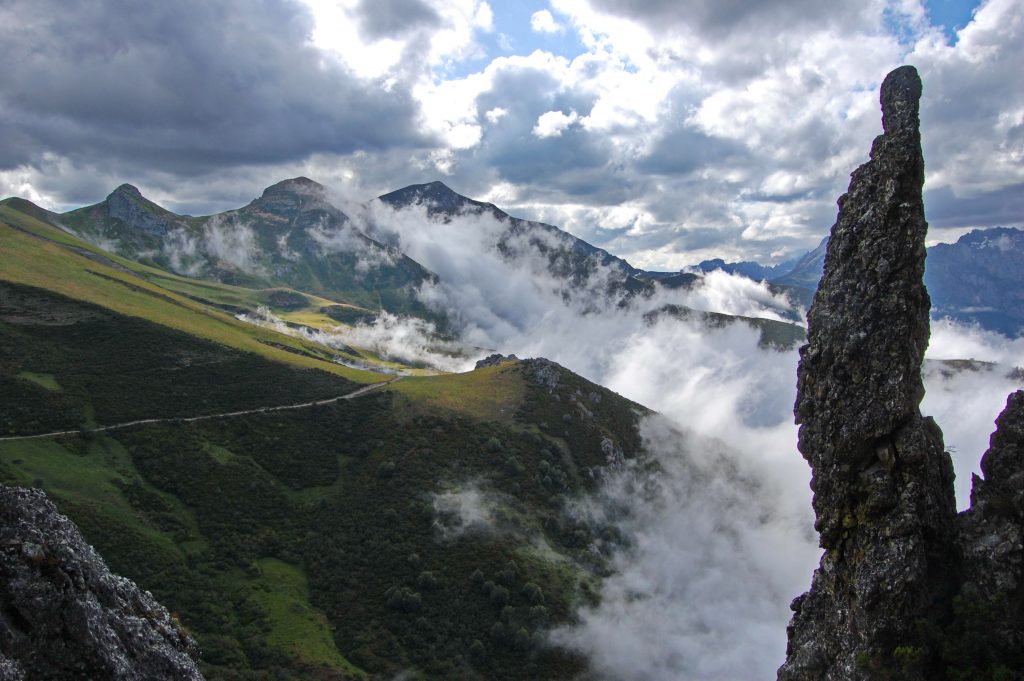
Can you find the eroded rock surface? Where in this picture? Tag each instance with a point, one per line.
(887, 598)
(63, 615)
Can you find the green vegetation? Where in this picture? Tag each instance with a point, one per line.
(40, 255)
(44, 380)
(115, 369)
(491, 393)
(322, 542)
(297, 628)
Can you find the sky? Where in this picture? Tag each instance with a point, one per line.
(666, 131)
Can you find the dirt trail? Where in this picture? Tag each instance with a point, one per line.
(205, 417)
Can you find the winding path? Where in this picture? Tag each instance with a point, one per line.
(206, 417)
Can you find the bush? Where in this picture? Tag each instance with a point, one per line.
(403, 599)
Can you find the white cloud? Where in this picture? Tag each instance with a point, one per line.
(495, 114)
(554, 123)
(542, 21)
(483, 18)
(465, 509)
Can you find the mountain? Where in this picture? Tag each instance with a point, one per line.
(977, 280)
(806, 271)
(748, 269)
(772, 334)
(568, 258)
(290, 236)
(980, 279)
(303, 519)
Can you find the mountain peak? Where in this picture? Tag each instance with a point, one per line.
(438, 198)
(128, 190)
(127, 204)
(437, 186)
(882, 480)
(295, 185)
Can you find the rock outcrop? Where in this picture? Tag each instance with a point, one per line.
(991, 540)
(63, 615)
(127, 204)
(883, 596)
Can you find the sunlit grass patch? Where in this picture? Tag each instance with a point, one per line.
(491, 393)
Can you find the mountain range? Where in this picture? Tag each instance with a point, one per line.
(293, 237)
(192, 393)
(976, 280)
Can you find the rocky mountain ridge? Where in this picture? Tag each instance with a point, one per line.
(976, 280)
(293, 236)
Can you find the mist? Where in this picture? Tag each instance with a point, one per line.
(722, 538)
(408, 340)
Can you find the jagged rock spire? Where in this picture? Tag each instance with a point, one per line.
(882, 482)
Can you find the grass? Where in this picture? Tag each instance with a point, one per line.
(47, 264)
(490, 393)
(43, 380)
(297, 628)
(90, 476)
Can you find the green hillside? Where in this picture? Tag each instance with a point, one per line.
(290, 236)
(39, 254)
(420, 527)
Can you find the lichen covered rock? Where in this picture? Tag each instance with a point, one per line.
(906, 589)
(882, 482)
(63, 615)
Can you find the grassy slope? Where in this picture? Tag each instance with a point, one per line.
(490, 393)
(38, 254)
(307, 544)
(300, 544)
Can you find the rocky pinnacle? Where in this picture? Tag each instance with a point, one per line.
(882, 482)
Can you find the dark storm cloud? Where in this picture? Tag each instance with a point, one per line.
(721, 16)
(181, 87)
(1003, 207)
(392, 18)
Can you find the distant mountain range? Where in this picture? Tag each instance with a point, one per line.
(978, 280)
(293, 236)
(289, 236)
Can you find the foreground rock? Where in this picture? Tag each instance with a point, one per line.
(63, 615)
(883, 602)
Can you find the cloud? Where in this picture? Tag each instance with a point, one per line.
(184, 87)
(344, 238)
(232, 242)
(408, 340)
(554, 123)
(702, 589)
(466, 509)
(719, 534)
(391, 18)
(718, 18)
(542, 21)
(712, 128)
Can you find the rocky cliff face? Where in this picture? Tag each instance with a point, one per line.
(128, 205)
(884, 593)
(63, 615)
